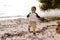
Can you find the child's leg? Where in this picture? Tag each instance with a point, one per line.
(30, 24)
(29, 28)
(34, 28)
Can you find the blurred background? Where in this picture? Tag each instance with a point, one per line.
(23, 7)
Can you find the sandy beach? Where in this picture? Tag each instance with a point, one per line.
(17, 29)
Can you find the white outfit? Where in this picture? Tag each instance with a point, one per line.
(32, 17)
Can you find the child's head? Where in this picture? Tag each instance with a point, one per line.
(33, 9)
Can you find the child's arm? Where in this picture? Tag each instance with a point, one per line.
(28, 15)
(42, 19)
(37, 15)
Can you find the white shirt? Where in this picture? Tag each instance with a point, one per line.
(32, 17)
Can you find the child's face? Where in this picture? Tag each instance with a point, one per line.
(33, 10)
